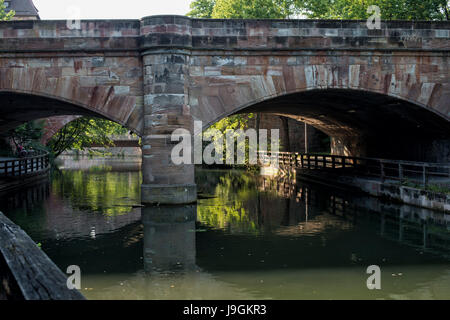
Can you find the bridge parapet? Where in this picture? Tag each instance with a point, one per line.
(182, 31)
(318, 34)
(57, 35)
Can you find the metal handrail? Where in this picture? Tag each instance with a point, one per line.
(382, 168)
(20, 167)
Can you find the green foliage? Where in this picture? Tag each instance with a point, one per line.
(438, 188)
(100, 190)
(201, 8)
(233, 127)
(243, 9)
(230, 124)
(230, 206)
(389, 9)
(235, 122)
(320, 9)
(82, 133)
(3, 15)
(430, 187)
(255, 9)
(27, 135)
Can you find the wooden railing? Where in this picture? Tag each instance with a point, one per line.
(19, 167)
(420, 172)
(26, 272)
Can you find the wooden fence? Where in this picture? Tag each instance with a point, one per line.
(20, 167)
(420, 172)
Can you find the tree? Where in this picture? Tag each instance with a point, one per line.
(202, 8)
(4, 16)
(83, 132)
(27, 135)
(390, 9)
(243, 9)
(255, 9)
(234, 123)
(321, 9)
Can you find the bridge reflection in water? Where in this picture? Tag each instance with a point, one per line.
(169, 238)
(249, 237)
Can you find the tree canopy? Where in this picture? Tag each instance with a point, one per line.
(202, 8)
(243, 9)
(4, 16)
(320, 9)
(83, 132)
(256, 9)
(389, 9)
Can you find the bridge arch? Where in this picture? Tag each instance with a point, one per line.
(19, 106)
(36, 88)
(54, 124)
(364, 115)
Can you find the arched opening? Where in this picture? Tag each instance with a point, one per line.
(90, 136)
(20, 108)
(363, 123)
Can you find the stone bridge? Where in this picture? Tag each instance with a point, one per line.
(378, 93)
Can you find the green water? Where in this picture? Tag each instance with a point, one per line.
(249, 237)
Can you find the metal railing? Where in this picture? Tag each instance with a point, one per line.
(421, 172)
(19, 167)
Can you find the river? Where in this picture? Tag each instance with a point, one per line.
(248, 237)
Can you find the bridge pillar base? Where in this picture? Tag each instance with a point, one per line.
(169, 194)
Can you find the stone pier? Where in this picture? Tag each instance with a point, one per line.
(166, 44)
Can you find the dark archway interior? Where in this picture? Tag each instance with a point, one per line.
(360, 123)
(368, 124)
(17, 108)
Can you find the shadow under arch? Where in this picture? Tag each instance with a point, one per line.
(18, 107)
(362, 122)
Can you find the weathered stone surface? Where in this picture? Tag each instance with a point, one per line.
(54, 124)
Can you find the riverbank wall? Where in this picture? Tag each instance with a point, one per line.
(391, 190)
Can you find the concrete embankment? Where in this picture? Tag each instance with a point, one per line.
(26, 272)
(392, 190)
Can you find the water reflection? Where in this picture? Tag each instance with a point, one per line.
(169, 238)
(249, 237)
(114, 163)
